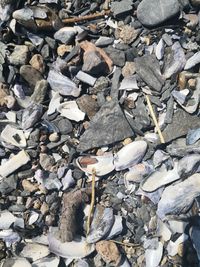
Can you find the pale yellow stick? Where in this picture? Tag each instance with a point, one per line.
(92, 201)
(154, 119)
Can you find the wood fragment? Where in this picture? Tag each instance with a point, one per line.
(125, 244)
(154, 119)
(92, 202)
(87, 17)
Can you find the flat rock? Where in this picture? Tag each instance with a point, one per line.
(147, 67)
(117, 56)
(155, 12)
(111, 126)
(122, 7)
(181, 123)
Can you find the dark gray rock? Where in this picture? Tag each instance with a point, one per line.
(109, 125)
(147, 67)
(65, 35)
(117, 56)
(8, 184)
(120, 8)
(155, 12)
(182, 122)
(63, 124)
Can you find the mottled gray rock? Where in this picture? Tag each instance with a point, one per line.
(30, 75)
(8, 184)
(65, 35)
(109, 125)
(117, 56)
(147, 67)
(181, 123)
(122, 7)
(104, 41)
(155, 12)
(19, 56)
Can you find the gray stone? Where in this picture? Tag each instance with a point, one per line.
(104, 41)
(120, 8)
(154, 12)
(86, 78)
(30, 75)
(19, 56)
(181, 123)
(117, 56)
(63, 124)
(39, 92)
(147, 67)
(65, 35)
(8, 184)
(94, 63)
(108, 126)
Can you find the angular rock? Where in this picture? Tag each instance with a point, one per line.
(37, 63)
(181, 123)
(155, 12)
(65, 35)
(147, 67)
(111, 126)
(19, 56)
(122, 7)
(30, 75)
(88, 105)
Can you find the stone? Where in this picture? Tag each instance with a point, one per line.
(94, 63)
(65, 35)
(8, 184)
(127, 34)
(110, 124)
(104, 41)
(195, 2)
(30, 75)
(155, 12)
(39, 92)
(147, 67)
(88, 105)
(181, 123)
(63, 124)
(54, 137)
(128, 69)
(37, 63)
(109, 252)
(19, 56)
(63, 49)
(117, 56)
(120, 8)
(86, 78)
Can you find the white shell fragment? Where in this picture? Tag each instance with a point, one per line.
(102, 164)
(177, 226)
(192, 61)
(14, 163)
(76, 249)
(6, 219)
(86, 78)
(62, 84)
(160, 49)
(163, 231)
(68, 180)
(188, 165)
(160, 178)
(129, 84)
(173, 247)
(13, 136)
(16, 262)
(71, 111)
(130, 155)
(137, 172)
(34, 251)
(54, 103)
(47, 261)
(153, 252)
(176, 199)
(117, 227)
(9, 237)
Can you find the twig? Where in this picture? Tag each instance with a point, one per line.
(92, 201)
(154, 119)
(125, 244)
(87, 17)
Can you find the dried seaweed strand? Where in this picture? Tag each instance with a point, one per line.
(154, 119)
(87, 17)
(92, 201)
(125, 244)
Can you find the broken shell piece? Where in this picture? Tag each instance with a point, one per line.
(54, 103)
(31, 115)
(14, 163)
(34, 251)
(160, 178)
(76, 249)
(177, 226)
(117, 227)
(109, 252)
(160, 49)
(102, 164)
(71, 111)
(159, 157)
(6, 219)
(192, 61)
(9, 237)
(129, 84)
(13, 136)
(163, 231)
(101, 224)
(15, 262)
(68, 180)
(177, 199)
(153, 196)
(62, 84)
(173, 247)
(130, 155)
(188, 165)
(137, 172)
(47, 261)
(153, 252)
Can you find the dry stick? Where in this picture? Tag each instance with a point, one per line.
(87, 17)
(92, 201)
(125, 244)
(154, 119)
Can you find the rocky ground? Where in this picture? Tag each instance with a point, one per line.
(99, 133)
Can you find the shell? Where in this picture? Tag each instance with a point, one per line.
(9, 237)
(68, 180)
(129, 84)
(34, 251)
(153, 196)
(159, 157)
(153, 252)
(177, 199)
(13, 136)
(101, 224)
(6, 219)
(76, 249)
(160, 49)
(130, 155)
(54, 103)
(163, 231)
(195, 237)
(16, 262)
(62, 84)
(137, 172)
(102, 164)
(160, 178)
(173, 247)
(192, 61)
(188, 165)
(47, 261)
(117, 227)
(71, 111)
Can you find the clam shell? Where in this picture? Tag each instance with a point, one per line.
(71, 111)
(13, 136)
(177, 199)
(163, 231)
(76, 249)
(153, 252)
(192, 61)
(47, 261)
(117, 227)
(34, 251)
(195, 236)
(172, 247)
(6, 219)
(101, 224)
(137, 172)
(188, 165)
(15, 262)
(130, 155)
(102, 164)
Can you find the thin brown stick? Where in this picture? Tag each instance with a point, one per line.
(87, 17)
(125, 244)
(92, 201)
(162, 140)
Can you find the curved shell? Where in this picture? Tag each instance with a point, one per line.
(137, 172)
(130, 155)
(102, 164)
